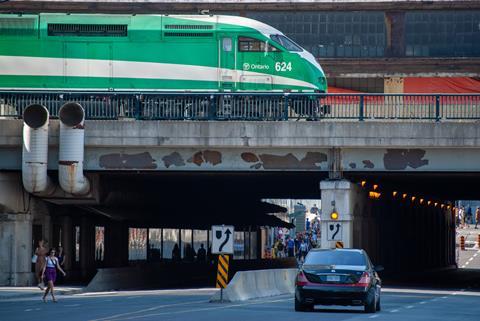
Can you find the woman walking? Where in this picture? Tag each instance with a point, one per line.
(50, 273)
(41, 252)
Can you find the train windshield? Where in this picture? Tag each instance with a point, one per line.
(286, 43)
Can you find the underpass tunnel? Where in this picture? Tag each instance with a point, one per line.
(395, 230)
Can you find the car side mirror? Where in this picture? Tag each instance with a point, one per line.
(378, 268)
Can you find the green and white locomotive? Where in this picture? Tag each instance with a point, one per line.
(94, 52)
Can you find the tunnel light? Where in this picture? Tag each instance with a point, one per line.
(429, 202)
(436, 204)
(413, 198)
(404, 196)
(363, 183)
(374, 195)
(442, 205)
(394, 193)
(448, 207)
(334, 215)
(375, 186)
(421, 201)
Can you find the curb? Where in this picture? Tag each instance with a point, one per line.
(32, 294)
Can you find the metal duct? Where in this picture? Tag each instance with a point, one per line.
(35, 150)
(72, 140)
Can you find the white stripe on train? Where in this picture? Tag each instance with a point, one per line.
(73, 67)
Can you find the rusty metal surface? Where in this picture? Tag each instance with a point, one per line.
(400, 67)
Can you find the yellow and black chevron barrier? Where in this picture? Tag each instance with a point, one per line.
(222, 272)
(339, 245)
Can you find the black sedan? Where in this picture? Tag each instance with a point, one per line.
(338, 277)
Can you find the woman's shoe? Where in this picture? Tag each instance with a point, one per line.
(40, 286)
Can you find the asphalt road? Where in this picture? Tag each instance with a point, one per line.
(397, 304)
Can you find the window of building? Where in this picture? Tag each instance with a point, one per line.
(154, 244)
(253, 245)
(239, 245)
(99, 243)
(77, 243)
(442, 33)
(200, 237)
(331, 34)
(170, 238)
(187, 245)
(137, 244)
(254, 45)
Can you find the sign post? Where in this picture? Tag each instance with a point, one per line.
(222, 244)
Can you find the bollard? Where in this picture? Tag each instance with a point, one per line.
(462, 243)
(478, 241)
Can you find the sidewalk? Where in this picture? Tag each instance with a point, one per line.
(11, 292)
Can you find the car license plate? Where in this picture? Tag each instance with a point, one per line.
(333, 278)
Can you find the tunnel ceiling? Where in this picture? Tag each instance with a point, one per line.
(199, 200)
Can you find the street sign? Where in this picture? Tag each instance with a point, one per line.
(222, 272)
(222, 239)
(334, 231)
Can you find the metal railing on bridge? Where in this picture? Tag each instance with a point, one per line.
(249, 106)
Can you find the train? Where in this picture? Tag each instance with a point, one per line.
(145, 53)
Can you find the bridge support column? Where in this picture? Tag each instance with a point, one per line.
(352, 205)
(15, 232)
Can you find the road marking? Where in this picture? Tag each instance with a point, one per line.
(373, 316)
(28, 310)
(72, 305)
(470, 259)
(423, 302)
(148, 310)
(396, 310)
(410, 306)
(200, 309)
(444, 297)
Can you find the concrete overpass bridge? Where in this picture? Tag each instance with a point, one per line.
(190, 174)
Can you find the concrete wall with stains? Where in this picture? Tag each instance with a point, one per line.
(300, 146)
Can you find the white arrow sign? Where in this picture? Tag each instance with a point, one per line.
(334, 231)
(222, 239)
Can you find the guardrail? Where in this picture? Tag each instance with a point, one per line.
(249, 106)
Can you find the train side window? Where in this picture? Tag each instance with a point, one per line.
(227, 44)
(254, 45)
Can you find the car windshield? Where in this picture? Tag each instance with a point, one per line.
(286, 43)
(335, 258)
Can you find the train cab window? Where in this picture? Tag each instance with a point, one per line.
(254, 45)
(227, 44)
(286, 42)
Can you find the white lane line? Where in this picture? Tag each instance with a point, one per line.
(148, 310)
(27, 310)
(423, 302)
(444, 297)
(201, 309)
(410, 306)
(72, 305)
(470, 259)
(373, 316)
(396, 310)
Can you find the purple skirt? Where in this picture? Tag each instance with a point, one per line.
(50, 274)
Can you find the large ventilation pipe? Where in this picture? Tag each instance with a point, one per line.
(72, 139)
(35, 150)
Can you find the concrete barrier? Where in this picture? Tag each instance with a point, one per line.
(247, 285)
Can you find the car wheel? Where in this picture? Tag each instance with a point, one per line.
(378, 305)
(299, 306)
(371, 304)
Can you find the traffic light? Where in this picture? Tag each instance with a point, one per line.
(334, 215)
